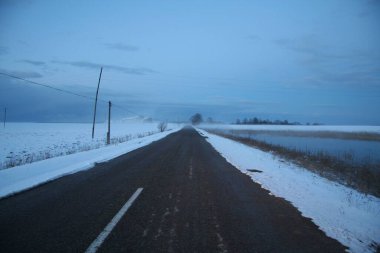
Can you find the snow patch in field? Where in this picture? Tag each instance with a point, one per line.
(342, 213)
(26, 176)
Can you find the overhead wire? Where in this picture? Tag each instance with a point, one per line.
(68, 92)
(47, 86)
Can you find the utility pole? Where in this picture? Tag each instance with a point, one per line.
(109, 123)
(5, 115)
(96, 100)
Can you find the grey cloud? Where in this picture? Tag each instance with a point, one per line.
(91, 65)
(14, 4)
(35, 63)
(7, 3)
(308, 44)
(22, 74)
(253, 37)
(3, 50)
(373, 3)
(27, 102)
(318, 52)
(371, 9)
(354, 78)
(121, 46)
(353, 67)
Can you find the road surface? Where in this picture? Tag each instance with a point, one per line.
(192, 201)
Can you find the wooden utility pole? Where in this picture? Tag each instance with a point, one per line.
(109, 123)
(5, 115)
(96, 101)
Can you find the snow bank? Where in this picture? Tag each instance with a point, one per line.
(23, 177)
(342, 213)
(356, 129)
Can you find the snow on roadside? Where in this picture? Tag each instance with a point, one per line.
(26, 176)
(342, 213)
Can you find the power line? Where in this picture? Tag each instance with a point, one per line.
(48, 86)
(68, 92)
(126, 110)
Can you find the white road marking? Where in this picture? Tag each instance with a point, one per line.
(107, 230)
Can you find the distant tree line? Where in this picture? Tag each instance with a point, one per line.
(258, 121)
(197, 119)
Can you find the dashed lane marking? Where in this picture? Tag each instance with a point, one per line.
(95, 245)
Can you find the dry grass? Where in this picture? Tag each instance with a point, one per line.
(365, 136)
(14, 160)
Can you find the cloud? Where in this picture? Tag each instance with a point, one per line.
(332, 65)
(253, 37)
(309, 45)
(35, 63)
(317, 52)
(22, 74)
(91, 65)
(27, 102)
(356, 78)
(7, 3)
(3, 50)
(121, 47)
(371, 9)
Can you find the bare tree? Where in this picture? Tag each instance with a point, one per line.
(196, 119)
(162, 126)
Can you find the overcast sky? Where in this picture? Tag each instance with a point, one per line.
(307, 61)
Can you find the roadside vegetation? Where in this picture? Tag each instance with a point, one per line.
(364, 177)
(17, 159)
(365, 136)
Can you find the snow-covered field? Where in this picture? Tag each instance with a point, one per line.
(357, 129)
(22, 143)
(23, 177)
(342, 213)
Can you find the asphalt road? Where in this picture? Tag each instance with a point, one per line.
(192, 201)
